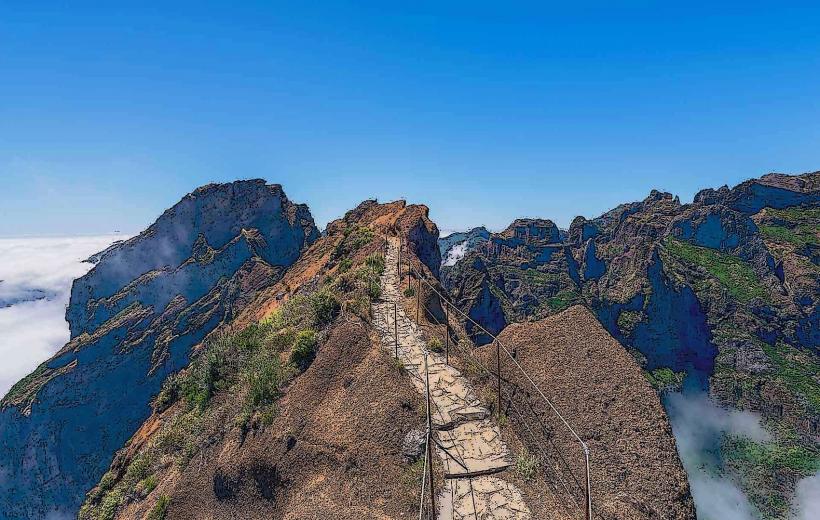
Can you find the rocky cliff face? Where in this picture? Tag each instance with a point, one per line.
(134, 319)
(454, 246)
(288, 410)
(522, 271)
(720, 295)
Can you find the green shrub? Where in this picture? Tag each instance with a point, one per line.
(107, 481)
(374, 290)
(665, 379)
(409, 292)
(771, 455)
(376, 262)
(398, 365)
(168, 394)
(146, 485)
(298, 312)
(562, 300)
(360, 237)
(360, 306)
(628, 320)
(797, 370)
(354, 239)
(110, 504)
(160, 509)
(304, 349)
(325, 306)
(414, 473)
(435, 345)
(138, 469)
(736, 275)
(526, 465)
(345, 265)
(264, 379)
(281, 340)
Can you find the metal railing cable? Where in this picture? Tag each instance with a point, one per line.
(511, 403)
(523, 420)
(421, 278)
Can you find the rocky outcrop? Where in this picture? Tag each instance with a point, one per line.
(329, 440)
(720, 294)
(594, 382)
(135, 318)
(774, 190)
(454, 246)
(522, 271)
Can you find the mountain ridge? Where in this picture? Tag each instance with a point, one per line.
(134, 318)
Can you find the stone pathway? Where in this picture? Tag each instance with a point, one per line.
(475, 453)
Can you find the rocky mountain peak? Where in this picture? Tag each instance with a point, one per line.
(135, 318)
(532, 229)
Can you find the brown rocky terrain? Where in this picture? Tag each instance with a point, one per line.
(602, 392)
(331, 437)
(294, 408)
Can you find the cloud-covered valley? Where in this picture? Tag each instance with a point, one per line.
(35, 284)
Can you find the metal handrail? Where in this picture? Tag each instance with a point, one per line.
(421, 278)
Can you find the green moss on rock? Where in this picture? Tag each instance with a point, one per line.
(734, 274)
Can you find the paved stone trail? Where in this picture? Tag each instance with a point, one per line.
(475, 453)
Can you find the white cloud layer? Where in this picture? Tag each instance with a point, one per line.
(35, 284)
(698, 425)
(807, 498)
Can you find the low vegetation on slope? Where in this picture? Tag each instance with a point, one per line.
(735, 275)
(256, 418)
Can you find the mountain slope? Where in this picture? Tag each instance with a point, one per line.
(290, 410)
(134, 319)
(720, 295)
(601, 391)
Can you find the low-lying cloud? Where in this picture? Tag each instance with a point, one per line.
(807, 498)
(35, 284)
(698, 425)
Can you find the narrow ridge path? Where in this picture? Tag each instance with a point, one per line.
(474, 454)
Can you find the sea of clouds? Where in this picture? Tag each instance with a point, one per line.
(698, 424)
(35, 284)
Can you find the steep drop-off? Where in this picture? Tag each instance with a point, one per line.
(292, 409)
(720, 295)
(601, 391)
(134, 319)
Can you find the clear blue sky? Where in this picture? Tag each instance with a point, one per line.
(483, 111)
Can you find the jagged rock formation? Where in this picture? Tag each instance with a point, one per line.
(522, 271)
(718, 295)
(134, 319)
(331, 441)
(454, 246)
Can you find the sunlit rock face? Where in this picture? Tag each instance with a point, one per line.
(134, 319)
(718, 296)
(454, 246)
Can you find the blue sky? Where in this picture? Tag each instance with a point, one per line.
(483, 111)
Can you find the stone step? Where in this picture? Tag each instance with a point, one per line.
(471, 447)
(485, 497)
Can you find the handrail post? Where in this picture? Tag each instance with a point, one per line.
(418, 300)
(446, 334)
(396, 325)
(408, 266)
(429, 438)
(498, 374)
(588, 489)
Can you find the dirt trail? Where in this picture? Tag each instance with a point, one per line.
(474, 455)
